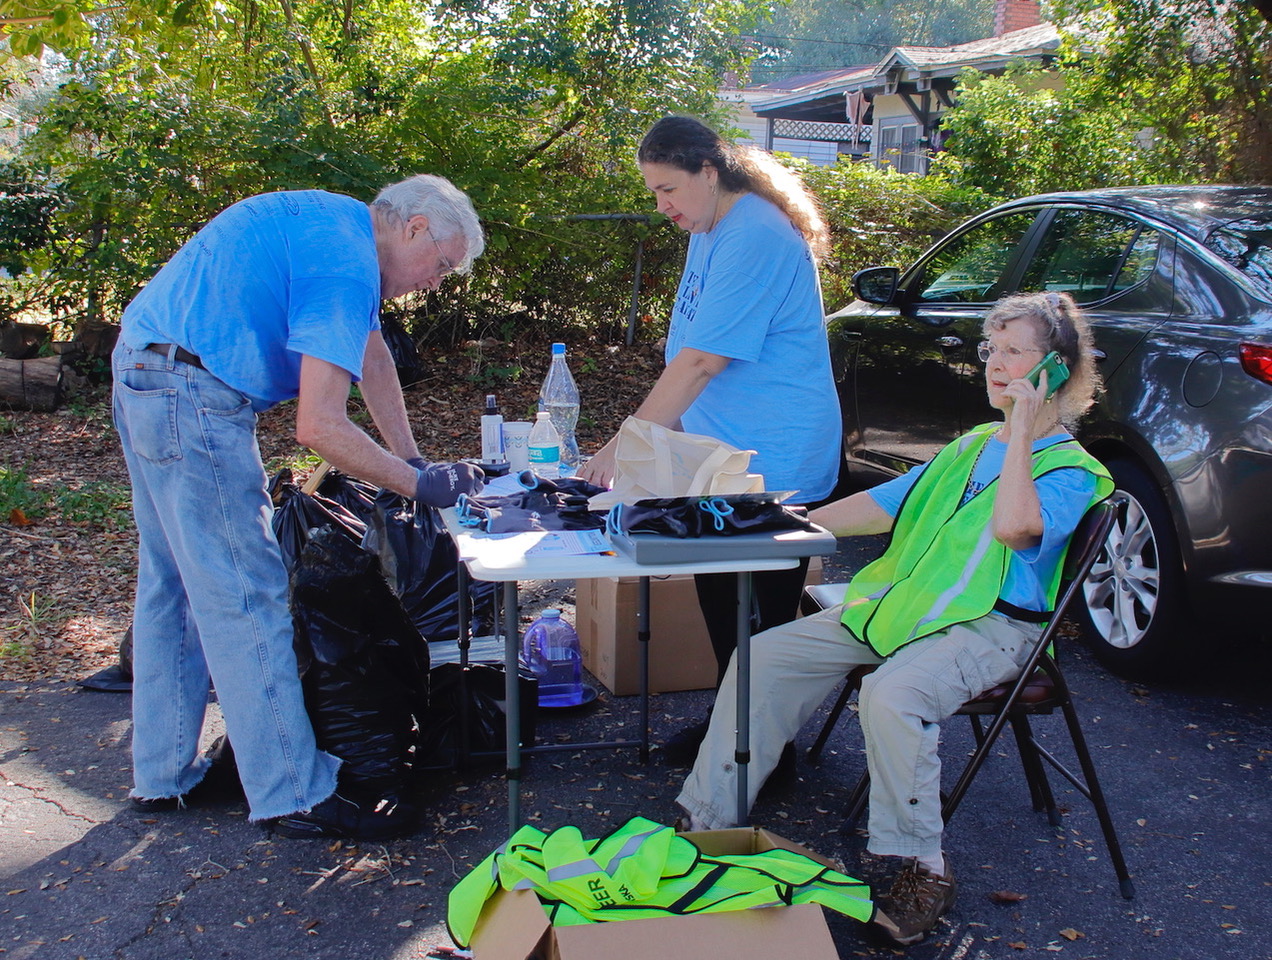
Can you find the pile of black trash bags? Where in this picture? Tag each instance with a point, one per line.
(372, 575)
(374, 585)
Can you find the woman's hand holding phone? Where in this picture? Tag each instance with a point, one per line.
(1056, 369)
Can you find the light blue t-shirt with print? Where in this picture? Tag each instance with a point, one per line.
(1063, 495)
(750, 292)
(269, 279)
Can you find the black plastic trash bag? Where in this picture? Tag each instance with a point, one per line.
(118, 677)
(710, 516)
(356, 496)
(298, 514)
(406, 356)
(364, 668)
(440, 729)
(420, 561)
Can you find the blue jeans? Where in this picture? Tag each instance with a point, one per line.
(211, 592)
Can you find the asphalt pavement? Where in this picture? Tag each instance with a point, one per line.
(1186, 767)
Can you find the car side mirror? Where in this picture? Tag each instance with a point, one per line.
(876, 284)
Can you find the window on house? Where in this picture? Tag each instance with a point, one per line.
(901, 148)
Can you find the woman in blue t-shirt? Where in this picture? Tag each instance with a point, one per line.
(747, 357)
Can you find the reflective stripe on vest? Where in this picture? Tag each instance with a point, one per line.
(943, 565)
(649, 872)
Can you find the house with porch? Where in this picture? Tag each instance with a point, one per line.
(887, 112)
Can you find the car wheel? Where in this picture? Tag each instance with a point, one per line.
(1134, 611)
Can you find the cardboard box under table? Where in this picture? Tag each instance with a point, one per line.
(680, 655)
(514, 926)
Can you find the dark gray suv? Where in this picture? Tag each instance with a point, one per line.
(1178, 284)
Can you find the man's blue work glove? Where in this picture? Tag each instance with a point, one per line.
(440, 484)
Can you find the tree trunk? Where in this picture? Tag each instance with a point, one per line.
(31, 384)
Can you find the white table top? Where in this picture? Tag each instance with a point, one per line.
(593, 565)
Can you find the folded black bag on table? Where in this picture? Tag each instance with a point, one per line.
(364, 668)
(722, 515)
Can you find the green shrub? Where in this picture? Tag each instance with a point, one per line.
(879, 217)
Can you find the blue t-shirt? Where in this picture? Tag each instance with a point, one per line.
(1063, 495)
(750, 292)
(269, 279)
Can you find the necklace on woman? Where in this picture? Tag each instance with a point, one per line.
(971, 489)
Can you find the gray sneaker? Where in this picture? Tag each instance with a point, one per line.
(917, 899)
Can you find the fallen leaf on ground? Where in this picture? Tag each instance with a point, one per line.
(1007, 896)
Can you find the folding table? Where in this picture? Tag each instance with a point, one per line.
(510, 569)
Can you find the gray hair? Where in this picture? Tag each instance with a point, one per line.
(1066, 330)
(450, 213)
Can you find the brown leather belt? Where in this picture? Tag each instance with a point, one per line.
(185, 356)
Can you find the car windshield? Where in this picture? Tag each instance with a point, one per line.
(1247, 245)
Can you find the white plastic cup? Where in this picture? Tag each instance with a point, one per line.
(516, 437)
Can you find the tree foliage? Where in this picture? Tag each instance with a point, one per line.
(1150, 91)
(1029, 131)
(1200, 71)
(531, 107)
(809, 35)
(879, 217)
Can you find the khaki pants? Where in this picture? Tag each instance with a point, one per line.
(794, 667)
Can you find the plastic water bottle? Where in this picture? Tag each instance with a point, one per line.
(545, 447)
(551, 649)
(559, 397)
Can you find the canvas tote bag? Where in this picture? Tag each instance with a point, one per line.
(655, 461)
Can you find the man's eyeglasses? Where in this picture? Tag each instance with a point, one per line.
(985, 350)
(447, 268)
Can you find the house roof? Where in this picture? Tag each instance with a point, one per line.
(817, 92)
(816, 80)
(1036, 40)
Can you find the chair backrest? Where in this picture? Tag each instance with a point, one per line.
(1084, 548)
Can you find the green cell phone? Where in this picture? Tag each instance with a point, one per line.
(1057, 372)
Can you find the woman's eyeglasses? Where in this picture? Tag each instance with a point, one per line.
(985, 350)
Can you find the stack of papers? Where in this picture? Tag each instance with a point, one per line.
(493, 548)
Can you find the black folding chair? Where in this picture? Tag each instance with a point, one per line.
(1040, 689)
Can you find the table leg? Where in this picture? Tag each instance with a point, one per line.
(512, 698)
(742, 752)
(642, 637)
(464, 612)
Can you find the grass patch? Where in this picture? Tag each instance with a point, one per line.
(304, 462)
(36, 615)
(97, 502)
(19, 496)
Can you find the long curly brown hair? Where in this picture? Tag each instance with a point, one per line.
(688, 144)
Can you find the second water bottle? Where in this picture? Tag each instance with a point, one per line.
(559, 397)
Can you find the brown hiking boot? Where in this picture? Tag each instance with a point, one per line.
(916, 900)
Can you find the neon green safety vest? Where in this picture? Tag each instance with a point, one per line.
(644, 869)
(944, 566)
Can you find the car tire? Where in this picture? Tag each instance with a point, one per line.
(1134, 614)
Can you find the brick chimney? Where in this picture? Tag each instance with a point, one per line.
(1012, 15)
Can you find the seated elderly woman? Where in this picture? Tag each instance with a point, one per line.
(951, 609)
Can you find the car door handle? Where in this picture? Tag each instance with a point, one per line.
(950, 341)
(1099, 355)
